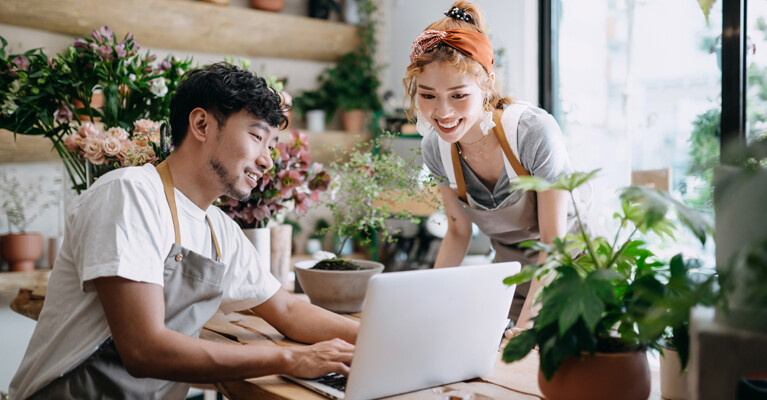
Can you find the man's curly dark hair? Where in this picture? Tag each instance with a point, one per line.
(223, 89)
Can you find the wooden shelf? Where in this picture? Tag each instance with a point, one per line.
(322, 144)
(190, 25)
(25, 148)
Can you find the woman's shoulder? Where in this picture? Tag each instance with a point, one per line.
(532, 118)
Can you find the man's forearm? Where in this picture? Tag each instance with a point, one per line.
(312, 324)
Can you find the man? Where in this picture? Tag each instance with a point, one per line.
(147, 260)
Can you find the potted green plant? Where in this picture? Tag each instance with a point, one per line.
(362, 175)
(353, 82)
(592, 329)
(316, 106)
(22, 204)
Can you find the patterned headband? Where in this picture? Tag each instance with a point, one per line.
(473, 44)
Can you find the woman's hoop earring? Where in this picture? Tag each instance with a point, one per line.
(487, 123)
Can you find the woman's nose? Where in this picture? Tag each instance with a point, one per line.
(444, 109)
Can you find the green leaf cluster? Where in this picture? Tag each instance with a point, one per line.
(608, 294)
(41, 95)
(364, 179)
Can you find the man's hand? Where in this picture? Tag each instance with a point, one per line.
(322, 358)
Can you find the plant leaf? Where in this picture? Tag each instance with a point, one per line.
(522, 276)
(519, 346)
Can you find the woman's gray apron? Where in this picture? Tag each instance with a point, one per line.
(509, 223)
(193, 289)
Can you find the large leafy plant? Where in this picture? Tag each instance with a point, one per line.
(601, 293)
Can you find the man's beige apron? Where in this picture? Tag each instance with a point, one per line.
(508, 224)
(192, 291)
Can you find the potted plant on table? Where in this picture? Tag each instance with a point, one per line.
(22, 204)
(362, 176)
(593, 326)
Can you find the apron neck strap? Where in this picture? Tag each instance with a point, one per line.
(459, 182)
(504, 142)
(170, 196)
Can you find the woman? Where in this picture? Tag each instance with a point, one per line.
(483, 140)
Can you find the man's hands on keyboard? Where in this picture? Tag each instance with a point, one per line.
(320, 359)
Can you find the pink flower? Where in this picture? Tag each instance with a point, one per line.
(103, 34)
(88, 130)
(286, 181)
(111, 146)
(80, 43)
(72, 142)
(118, 133)
(21, 62)
(120, 50)
(93, 151)
(146, 126)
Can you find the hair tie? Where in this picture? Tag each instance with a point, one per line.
(459, 14)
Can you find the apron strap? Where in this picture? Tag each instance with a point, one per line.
(460, 185)
(170, 196)
(501, 135)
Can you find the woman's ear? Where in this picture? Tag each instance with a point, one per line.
(198, 124)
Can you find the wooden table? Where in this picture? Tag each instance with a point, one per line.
(517, 381)
(507, 381)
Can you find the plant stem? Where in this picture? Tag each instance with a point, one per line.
(343, 243)
(622, 249)
(583, 232)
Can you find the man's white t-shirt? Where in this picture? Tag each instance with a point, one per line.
(122, 226)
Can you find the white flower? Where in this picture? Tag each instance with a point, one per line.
(9, 106)
(157, 87)
(15, 86)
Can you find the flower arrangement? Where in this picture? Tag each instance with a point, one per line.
(294, 183)
(42, 96)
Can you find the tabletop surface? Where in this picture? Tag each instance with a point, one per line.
(518, 380)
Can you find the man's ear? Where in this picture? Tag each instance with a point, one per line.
(199, 124)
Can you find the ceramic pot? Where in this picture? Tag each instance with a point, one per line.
(338, 291)
(315, 120)
(624, 376)
(21, 250)
(261, 239)
(268, 5)
(353, 120)
(673, 381)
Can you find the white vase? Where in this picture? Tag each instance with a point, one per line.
(315, 120)
(673, 382)
(281, 249)
(261, 239)
(351, 12)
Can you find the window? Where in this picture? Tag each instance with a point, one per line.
(636, 88)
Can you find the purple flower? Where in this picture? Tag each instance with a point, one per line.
(164, 66)
(80, 43)
(21, 62)
(103, 34)
(63, 114)
(120, 50)
(105, 53)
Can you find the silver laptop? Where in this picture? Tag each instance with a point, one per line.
(422, 329)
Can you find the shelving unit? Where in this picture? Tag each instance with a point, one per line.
(190, 25)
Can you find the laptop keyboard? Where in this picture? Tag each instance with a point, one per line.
(336, 381)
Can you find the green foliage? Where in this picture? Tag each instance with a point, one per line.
(42, 95)
(607, 295)
(367, 174)
(353, 82)
(704, 154)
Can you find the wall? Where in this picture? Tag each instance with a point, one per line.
(401, 22)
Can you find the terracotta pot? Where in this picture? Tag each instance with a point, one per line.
(353, 120)
(624, 376)
(21, 250)
(268, 5)
(97, 101)
(339, 291)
